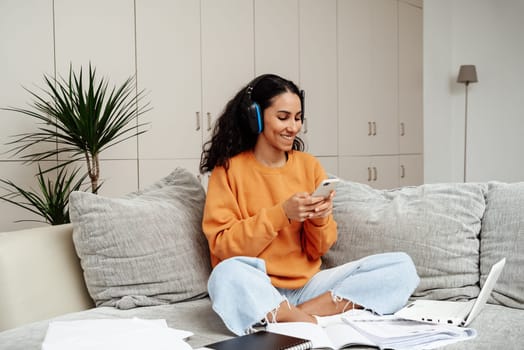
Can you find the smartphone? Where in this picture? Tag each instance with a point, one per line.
(325, 188)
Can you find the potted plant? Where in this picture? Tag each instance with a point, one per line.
(52, 198)
(78, 117)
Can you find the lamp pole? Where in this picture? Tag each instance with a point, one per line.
(466, 130)
(467, 74)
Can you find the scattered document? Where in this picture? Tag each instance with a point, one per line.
(335, 336)
(393, 332)
(110, 334)
(358, 327)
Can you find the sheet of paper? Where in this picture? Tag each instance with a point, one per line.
(336, 335)
(303, 330)
(102, 334)
(342, 336)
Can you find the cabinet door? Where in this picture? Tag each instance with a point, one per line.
(26, 39)
(318, 75)
(330, 164)
(377, 172)
(410, 78)
(168, 68)
(152, 170)
(276, 38)
(367, 66)
(411, 170)
(227, 54)
(101, 33)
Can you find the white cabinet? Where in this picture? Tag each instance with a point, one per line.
(227, 54)
(376, 171)
(26, 41)
(380, 92)
(330, 164)
(410, 78)
(192, 61)
(276, 38)
(318, 75)
(101, 33)
(359, 62)
(410, 170)
(169, 69)
(367, 71)
(410, 95)
(297, 40)
(383, 171)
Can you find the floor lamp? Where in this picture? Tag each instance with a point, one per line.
(467, 74)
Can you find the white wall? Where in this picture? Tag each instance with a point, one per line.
(487, 33)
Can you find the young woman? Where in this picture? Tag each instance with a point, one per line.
(266, 232)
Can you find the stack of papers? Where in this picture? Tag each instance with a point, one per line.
(359, 327)
(397, 333)
(110, 334)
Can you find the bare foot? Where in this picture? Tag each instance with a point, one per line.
(286, 312)
(325, 305)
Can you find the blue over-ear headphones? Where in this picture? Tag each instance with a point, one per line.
(254, 113)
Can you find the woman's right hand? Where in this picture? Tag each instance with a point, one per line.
(301, 206)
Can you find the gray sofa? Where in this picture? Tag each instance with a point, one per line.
(144, 256)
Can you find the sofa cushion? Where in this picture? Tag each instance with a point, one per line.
(502, 235)
(146, 248)
(438, 225)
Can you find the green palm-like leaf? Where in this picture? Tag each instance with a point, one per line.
(80, 120)
(51, 201)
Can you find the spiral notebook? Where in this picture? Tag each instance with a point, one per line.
(262, 340)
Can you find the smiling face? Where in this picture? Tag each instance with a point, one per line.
(282, 123)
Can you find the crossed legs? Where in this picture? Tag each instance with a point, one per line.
(241, 291)
(323, 305)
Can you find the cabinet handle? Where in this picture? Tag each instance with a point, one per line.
(375, 174)
(197, 121)
(305, 126)
(374, 129)
(402, 129)
(208, 121)
(402, 171)
(370, 129)
(370, 174)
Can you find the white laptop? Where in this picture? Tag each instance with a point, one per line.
(452, 312)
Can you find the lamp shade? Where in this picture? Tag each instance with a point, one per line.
(467, 74)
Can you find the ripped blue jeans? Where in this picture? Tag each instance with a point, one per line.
(242, 294)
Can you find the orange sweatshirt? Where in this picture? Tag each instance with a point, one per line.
(243, 216)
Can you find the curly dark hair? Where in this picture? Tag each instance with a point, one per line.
(232, 134)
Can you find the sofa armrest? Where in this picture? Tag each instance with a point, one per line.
(40, 275)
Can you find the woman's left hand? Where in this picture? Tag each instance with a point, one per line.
(322, 208)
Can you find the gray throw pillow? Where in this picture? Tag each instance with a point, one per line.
(438, 225)
(503, 236)
(146, 248)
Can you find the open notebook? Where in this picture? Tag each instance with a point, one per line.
(452, 312)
